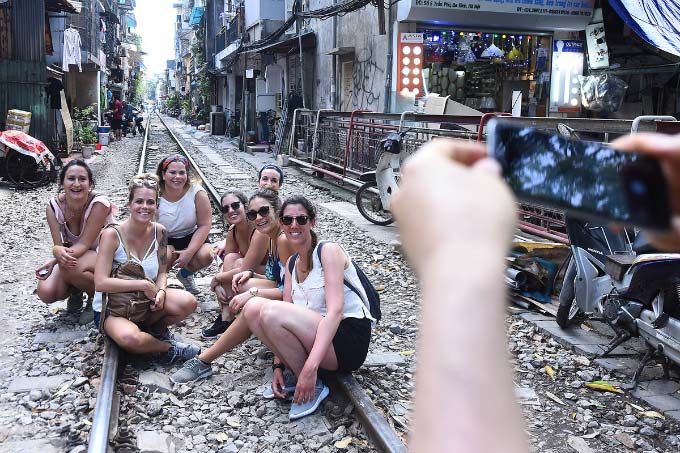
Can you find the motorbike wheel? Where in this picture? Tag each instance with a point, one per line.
(568, 308)
(371, 207)
(25, 173)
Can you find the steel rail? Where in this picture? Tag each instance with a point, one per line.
(101, 421)
(211, 190)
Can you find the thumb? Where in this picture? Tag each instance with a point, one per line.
(488, 166)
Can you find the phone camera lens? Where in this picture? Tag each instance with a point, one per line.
(637, 187)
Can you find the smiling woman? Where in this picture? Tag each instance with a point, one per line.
(133, 304)
(75, 217)
(185, 211)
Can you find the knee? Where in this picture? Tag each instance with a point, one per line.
(269, 315)
(46, 294)
(253, 312)
(130, 341)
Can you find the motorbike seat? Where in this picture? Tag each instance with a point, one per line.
(616, 265)
(642, 244)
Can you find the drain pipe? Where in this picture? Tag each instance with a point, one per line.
(334, 65)
(388, 60)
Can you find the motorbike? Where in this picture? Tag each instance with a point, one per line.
(626, 284)
(373, 197)
(132, 122)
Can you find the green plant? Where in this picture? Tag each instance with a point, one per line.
(85, 114)
(186, 107)
(88, 136)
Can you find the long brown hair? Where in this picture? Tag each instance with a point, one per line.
(311, 213)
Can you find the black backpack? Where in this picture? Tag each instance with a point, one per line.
(372, 294)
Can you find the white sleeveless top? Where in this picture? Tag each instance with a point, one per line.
(179, 217)
(149, 264)
(311, 293)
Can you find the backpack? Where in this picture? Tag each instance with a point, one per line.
(373, 302)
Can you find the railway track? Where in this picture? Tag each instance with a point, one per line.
(107, 415)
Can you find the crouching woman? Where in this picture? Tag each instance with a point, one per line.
(130, 278)
(327, 325)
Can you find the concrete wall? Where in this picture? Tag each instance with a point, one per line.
(264, 9)
(358, 30)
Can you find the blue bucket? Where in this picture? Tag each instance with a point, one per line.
(103, 129)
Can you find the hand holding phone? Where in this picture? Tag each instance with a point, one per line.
(586, 178)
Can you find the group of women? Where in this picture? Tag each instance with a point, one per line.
(300, 308)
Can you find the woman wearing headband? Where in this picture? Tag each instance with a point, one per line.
(270, 177)
(185, 211)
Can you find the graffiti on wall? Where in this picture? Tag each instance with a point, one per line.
(367, 81)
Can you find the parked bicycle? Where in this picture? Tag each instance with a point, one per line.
(373, 197)
(233, 128)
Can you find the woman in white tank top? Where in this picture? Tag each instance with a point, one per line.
(185, 212)
(146, 244)
(326, 318)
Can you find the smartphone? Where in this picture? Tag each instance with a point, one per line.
(588, 179)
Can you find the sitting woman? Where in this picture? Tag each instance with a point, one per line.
(243, 247)
(270, 177)
(263, 210)
(75, 216)
(184, 210)
(327, 325)
(132, 304)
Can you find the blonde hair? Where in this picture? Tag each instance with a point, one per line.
(144, 180)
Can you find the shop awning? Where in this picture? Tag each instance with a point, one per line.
(68, 6)
(131, 21)
(657, 22)
(289, 43)
(196, 15)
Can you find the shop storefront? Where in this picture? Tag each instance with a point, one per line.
(499, 56)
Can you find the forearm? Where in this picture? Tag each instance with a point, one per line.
(324, 338)
(118, 285)
(79, 250)
(474, 368)
(270, 293)
(162, 280)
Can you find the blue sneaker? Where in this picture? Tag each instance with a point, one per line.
(193, 370)
(289, 383)
(301, 410)
(179, 351)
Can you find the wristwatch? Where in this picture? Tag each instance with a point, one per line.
(253, 291)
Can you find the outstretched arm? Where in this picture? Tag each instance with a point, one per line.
(456, 221)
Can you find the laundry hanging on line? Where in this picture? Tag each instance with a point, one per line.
(71, 49)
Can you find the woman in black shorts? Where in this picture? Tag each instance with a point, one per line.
(319, 314)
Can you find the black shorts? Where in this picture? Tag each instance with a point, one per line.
(351, 343)
(183, 242)
(116, 124)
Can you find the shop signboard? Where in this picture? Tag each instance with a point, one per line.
(410, 64)
(548, 15)
(568, 55)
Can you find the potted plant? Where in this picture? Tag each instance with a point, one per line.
(89, 139)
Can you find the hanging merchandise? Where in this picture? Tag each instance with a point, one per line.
(541, 59)
(602, 93)
(492, 51)
(71, 49)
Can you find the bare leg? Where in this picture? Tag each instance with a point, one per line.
(178, 305)
(288, 330)
(82, 276)
(54, 288)
(201, 259)
(128, 336)
(237, 333)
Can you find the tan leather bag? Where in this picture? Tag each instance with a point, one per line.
(133, 306)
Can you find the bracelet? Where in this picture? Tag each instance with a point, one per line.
(162, 289)
(280, 366)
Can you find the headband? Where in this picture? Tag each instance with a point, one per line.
(273, 167)
(175, 158)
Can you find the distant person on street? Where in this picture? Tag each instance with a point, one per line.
(117, 119)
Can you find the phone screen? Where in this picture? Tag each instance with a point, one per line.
(584, 177)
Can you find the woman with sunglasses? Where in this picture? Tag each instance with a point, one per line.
(144, 242)
(321, 322)
(75, 216)
(246, 286)
(185, 211)
(243, 248)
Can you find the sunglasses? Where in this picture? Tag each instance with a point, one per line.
(183, 160)
(300, 219)
(234, 206)
(263, 211)
(145, 181)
